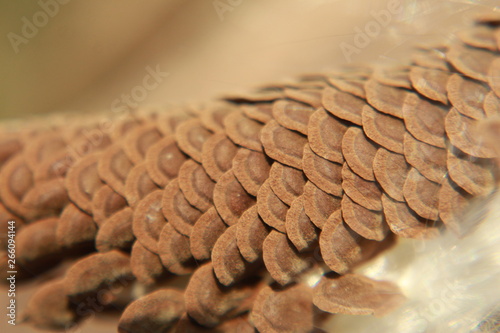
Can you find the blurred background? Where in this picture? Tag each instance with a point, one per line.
(96, 55)
(76, 56)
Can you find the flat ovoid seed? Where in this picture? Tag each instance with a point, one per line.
(359, 152)
(86, 278)
(209, 303)
(250, 235)
(49, 308)
(207, 229)
(146, 265)
(283, 145)
(231, 199)
(174, 251)
(155, 312)
(341, 247)
(282, 259)
(322, 172)
(148, 220)
(116, 232)
(425, 120)
(325, 135)
(287, 309)
(286, 182)
(355, 294)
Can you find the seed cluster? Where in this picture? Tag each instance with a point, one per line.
(249, 196)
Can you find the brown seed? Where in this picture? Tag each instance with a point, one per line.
(190, 136)
(286, 182)
(169, 121)
(318, 204)
(113, 168)
(231, 199)
(75, 229)
(430, 82)
(385, 130)
(367, 223)
(105, 203)
(323, 173)
(406, 223)
(46, 198)
(213, 116)
(217, 155)
(229, 265)
(467, 96)
(138, 184)
(491, 105)
(363, 192)
(37, 248)
(425, 120)
(475, 177)
(250, 234)
(17, 180)
(355, 294)
(177, 210)
(251, 168)
(359, 152)
(138, 141)
(341, 247)
(82, 182)
(353, 86)
(146, 265)
(286, 309)
(148, 220)
(464, 133)
(155, 312)
(421, 195)
(42, 148)
(283, 145)
(116, 232)
(55, 165)
(429, 160)
(470, 61)
(96, 274)
(292, 115)
(394, 76)
(325, 136)
(210, 303)
(310, 97)
(163, 161)
(243, 131)
(196, 185)
(343, 105)
(49, 308)
(261, 112)
(283, 262)
(299, 228)
(207, 229)
(271, 209)
(174, 251)
(386, 99)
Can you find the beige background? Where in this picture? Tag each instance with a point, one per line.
(91, 52)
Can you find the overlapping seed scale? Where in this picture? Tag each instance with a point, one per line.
(311, 177)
